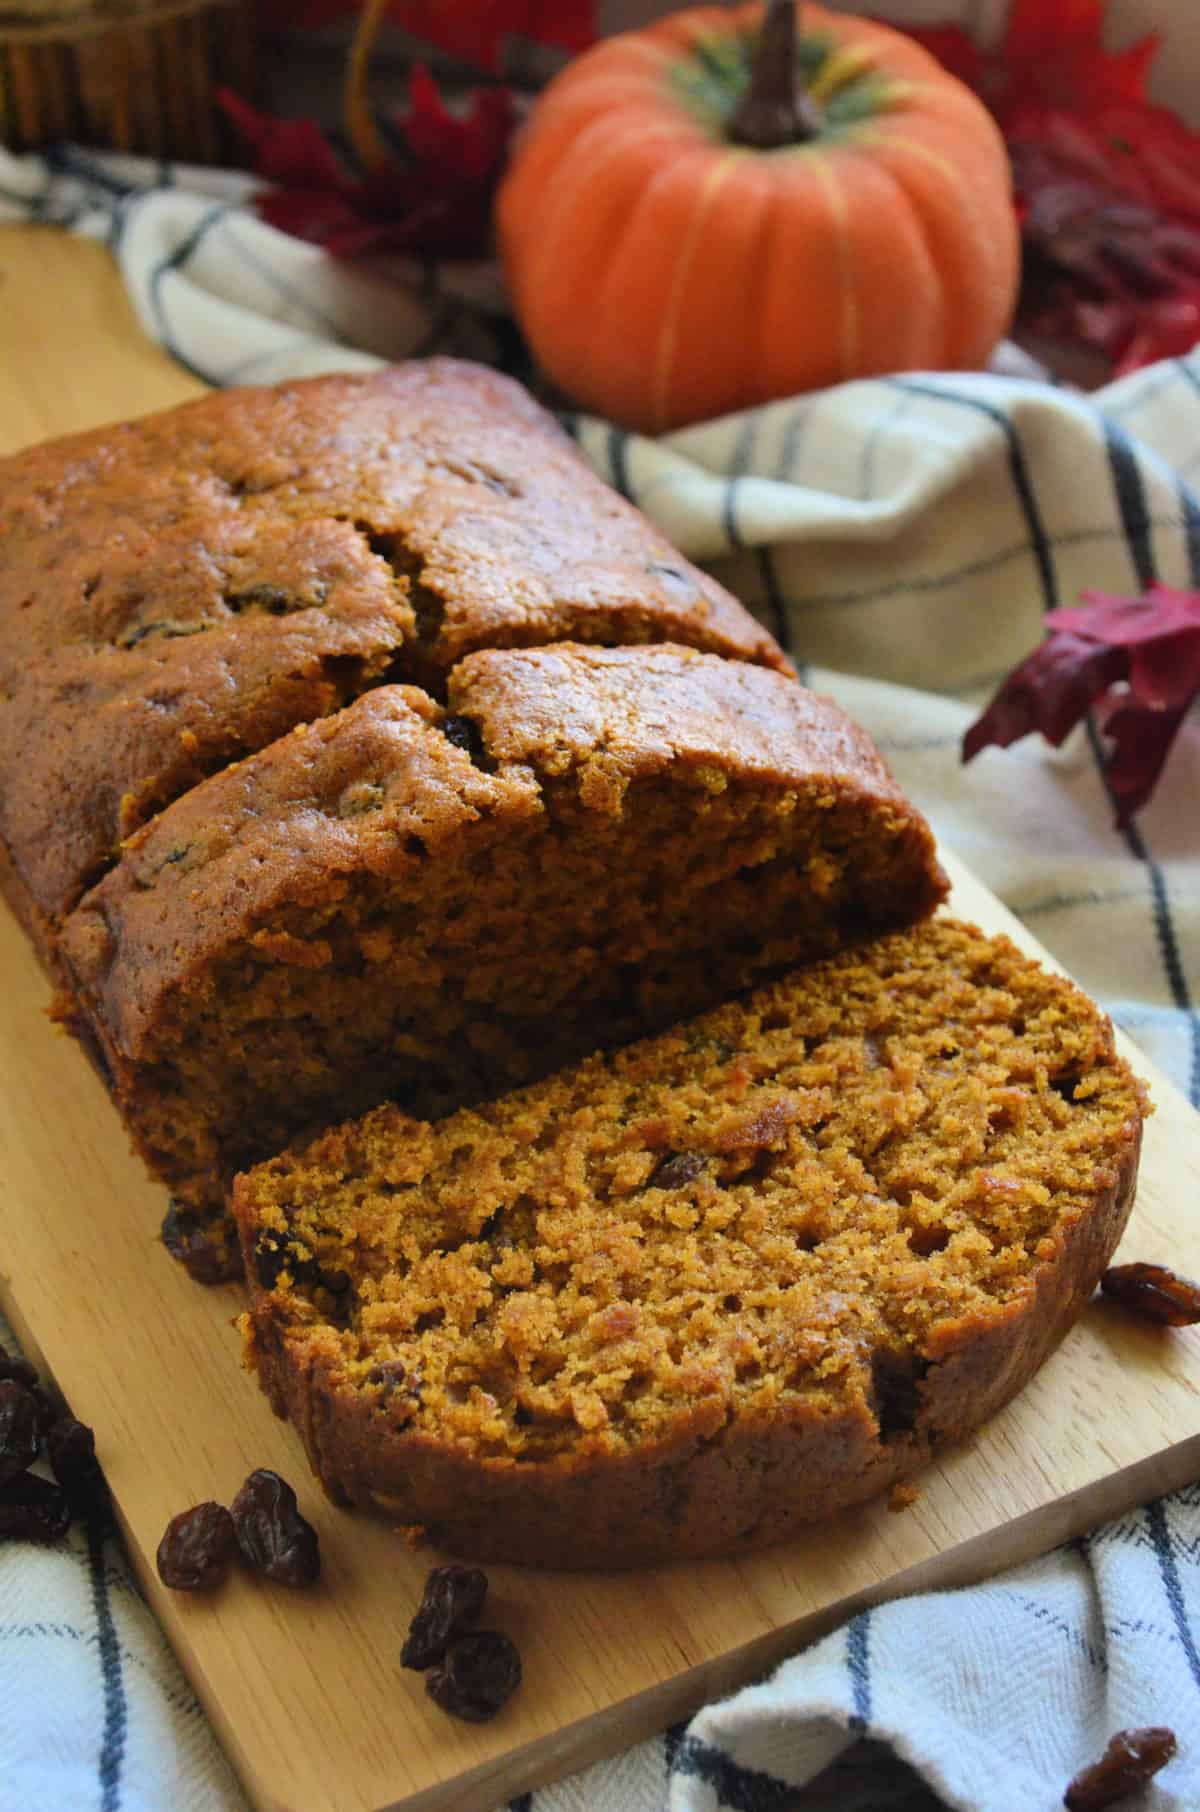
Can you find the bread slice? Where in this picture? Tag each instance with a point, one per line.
(688, 1297)
(179, 591)
(438, 902)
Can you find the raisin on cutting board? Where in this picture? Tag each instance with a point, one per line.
(32, 1509)
(1155, 1292)
(196, 1548)
(478, 1675)
(71, 1451)
(273, 1536)
(453, 1599)
(209, 1254)
(20, 1438)
(1132, 1758)
(18, 1370)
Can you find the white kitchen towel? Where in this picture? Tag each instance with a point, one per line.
(904, 538)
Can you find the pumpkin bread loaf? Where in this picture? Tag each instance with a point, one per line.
(179, 591)
(436, 902)
(688, 1297)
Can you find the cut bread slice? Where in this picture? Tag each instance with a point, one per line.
(693, 1295)
(434, 903)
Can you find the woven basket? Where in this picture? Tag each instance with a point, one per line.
(134, 75)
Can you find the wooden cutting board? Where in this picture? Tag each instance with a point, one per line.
(305, 1690)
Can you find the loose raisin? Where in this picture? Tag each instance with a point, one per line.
(196, 1548)
(18, 1370)
(209, 1256)
(1154, 1292)
(680, 1168)
(478, 1675)
(454, 1597)
(71, 1451)
(45, 1408)
(32, 1509)
(20, 1439)
(1132, 1758)
(273, 1536)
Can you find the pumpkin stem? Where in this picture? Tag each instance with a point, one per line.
(775, 110)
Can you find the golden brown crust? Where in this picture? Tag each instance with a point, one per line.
(179, 591)
(616, 715)
(944, 1326)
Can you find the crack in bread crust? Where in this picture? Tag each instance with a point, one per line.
(178, 592)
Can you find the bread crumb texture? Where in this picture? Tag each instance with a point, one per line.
(690, 1295)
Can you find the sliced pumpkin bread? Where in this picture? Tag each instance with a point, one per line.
(693, 1295)
(436, 902)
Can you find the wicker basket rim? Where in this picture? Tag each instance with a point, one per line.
(68, 31)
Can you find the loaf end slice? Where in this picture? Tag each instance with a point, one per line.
(686, 1298)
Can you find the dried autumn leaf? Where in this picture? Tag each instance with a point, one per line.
(292, 152)
(1051, 691)
(432, 196)
(1110, 227)
(1136, 661)
(423, 181)
(1140, 742)
(1107, 185)
(955, 49)
(1051, 54)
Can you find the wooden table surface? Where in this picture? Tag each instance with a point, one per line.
(71, 351)
(304, 1689)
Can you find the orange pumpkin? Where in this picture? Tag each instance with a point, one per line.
(669, 258)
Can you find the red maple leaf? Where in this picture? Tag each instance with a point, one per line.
(1136, 661)
(1107, 184)
(432, 196)
(1051, 55)
(422, 182)
(1110, 224)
